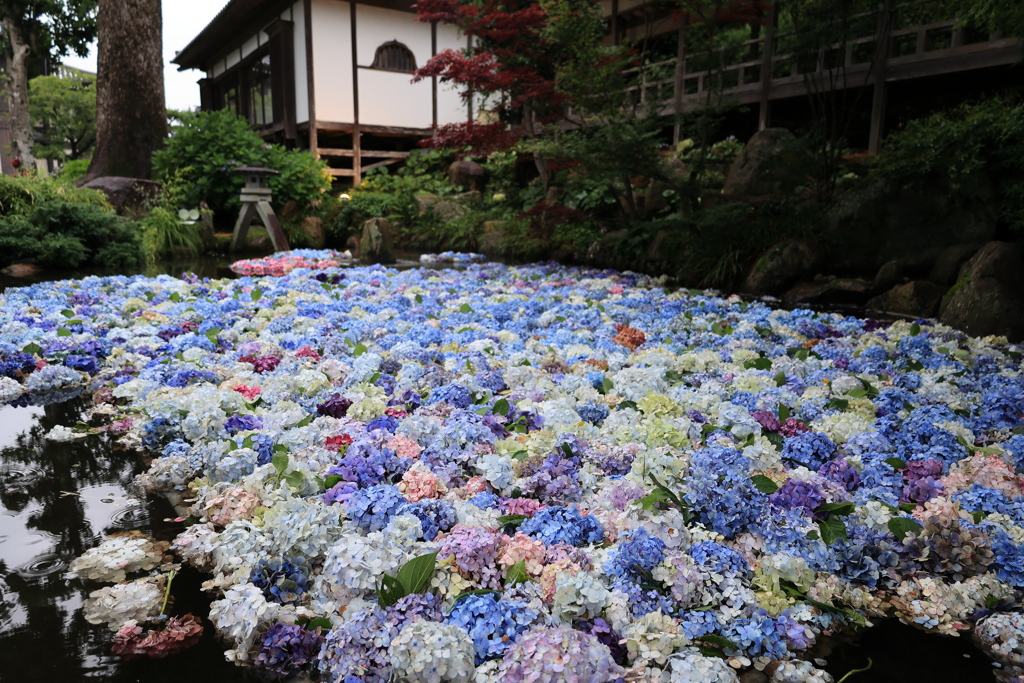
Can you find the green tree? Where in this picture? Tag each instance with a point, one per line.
(994, 15)
(39, 28)
(65, 108)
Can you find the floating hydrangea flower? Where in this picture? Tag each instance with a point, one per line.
(287, 648)
(358, 648)
(492, 624)
(432, 653)
(558, 524)
(558, 655)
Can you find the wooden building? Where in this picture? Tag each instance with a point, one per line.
(332, 76)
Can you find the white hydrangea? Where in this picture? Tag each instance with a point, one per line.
(432, 652)
(119, 555)
(800, 671)
(302, 526)
(580, 596)
(690, 666)
(355, 563)
(496, 468)
(138, 600)
(10, 389)
(240, 616)
(653, 637)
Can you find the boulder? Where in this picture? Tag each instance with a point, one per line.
(989, 296)
(129, 196)
(877, 222)
(313, 228)
(22, 270)
(781, 266)
(492, 239)
(770, 164)
(888, 276)
(654, 198)
(918, 298)
(829, 291)
(948, 263)
(468, 175)
(377, 242)
(425, 202)
(206, 229)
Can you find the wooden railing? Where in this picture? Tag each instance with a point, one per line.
(929, 49)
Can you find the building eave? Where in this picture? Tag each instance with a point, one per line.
(224, 29)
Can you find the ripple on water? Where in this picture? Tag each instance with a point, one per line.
(135, 516)
(41, 566)
(16, 476)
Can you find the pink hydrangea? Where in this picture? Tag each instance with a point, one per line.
(549, 575)
(250, 393)
(520, 506)
(990, 471)
(475, 552)
(307, 352)
(419, 484)
(231, 506)
(404, 447)
(522, 548)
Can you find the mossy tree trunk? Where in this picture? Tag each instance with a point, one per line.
(131, 121)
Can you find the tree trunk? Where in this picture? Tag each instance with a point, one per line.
(22, 137)
(131, 121)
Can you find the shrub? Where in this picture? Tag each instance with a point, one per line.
(19, 195)
(982, 137)
(165, 233)
(62, 234)
(204, 149)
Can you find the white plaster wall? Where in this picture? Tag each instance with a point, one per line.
(298, 19)
(386, 98)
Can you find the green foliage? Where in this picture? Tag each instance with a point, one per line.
(994, 15)
(20, 194)
(61, 234)
(65, 108)
(165, 233)
(413, 577)
(984, 138)
(204, 149)
(73, 170)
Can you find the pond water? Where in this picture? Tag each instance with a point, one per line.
(58, 499)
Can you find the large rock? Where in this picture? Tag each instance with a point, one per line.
(878, 222)
(445, 208)
(781, 266)
(989, 296)
(829, 291)
(377, 243)
(918, 298)
(888, 276)
(655, 200)
(493, 238)
(313, 228)
(129, 196)
(949, 261)
(468, 175)
(770, 164)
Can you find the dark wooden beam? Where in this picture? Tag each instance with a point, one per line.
(368, 153)
(307, 16)
(356, 133)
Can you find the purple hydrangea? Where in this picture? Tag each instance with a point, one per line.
(285, 649)
(242, 423)
(798, 494)
(336, 406)
(415, 607)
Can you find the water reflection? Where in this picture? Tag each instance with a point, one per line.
(57, 499)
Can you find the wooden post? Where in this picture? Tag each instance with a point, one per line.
(615, 22)
(307, 15)
(680, 78)
(880, 94)
(433, 79)
(767, 53)
(357, 154)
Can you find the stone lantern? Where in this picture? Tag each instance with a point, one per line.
(256, 201)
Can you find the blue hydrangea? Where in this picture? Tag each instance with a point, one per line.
(810, 449)
(594, 413)
(979, 498)
(722, 493)
(434, 515)
(372, 508)
(635, 555)
(281, 580)
(557, 524)
(492, 623)
(719, 558)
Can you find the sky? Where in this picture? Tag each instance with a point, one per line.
(183, 20)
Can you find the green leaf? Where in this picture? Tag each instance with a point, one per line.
(231, 444)
(857, 393)
(780, 379)
(908, 507)
(512, 520)
(758, 364)
(775, 439)
(63, 332)
(813, 535)
(567, 450)
(33, 349)
(978, 516)
(280, 448)
(465, 308)
(389, 591)
(915, 330)
(673, 376)
(419, 298)
(68, 313)
(150, 295)
(465, 329)
(415, 574)
(517, 574)
(784, 412)
(1018, 430)
(359, 350)
(280, 462)
(501, 407)
(332, 481)
(248, 441)
(519, 455)
(651, 500)
(842, 509)
(896, 463)
(312, 624)
(832, 529)
(716, 641)
(622, 405)
(606, 385)
(294, 479)
(838, 404)
(212, 333)
(373, 378)
(256, 294)
(175, 297)
(901, 526)
(717, 328)
(304, 421)
(764, 484)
